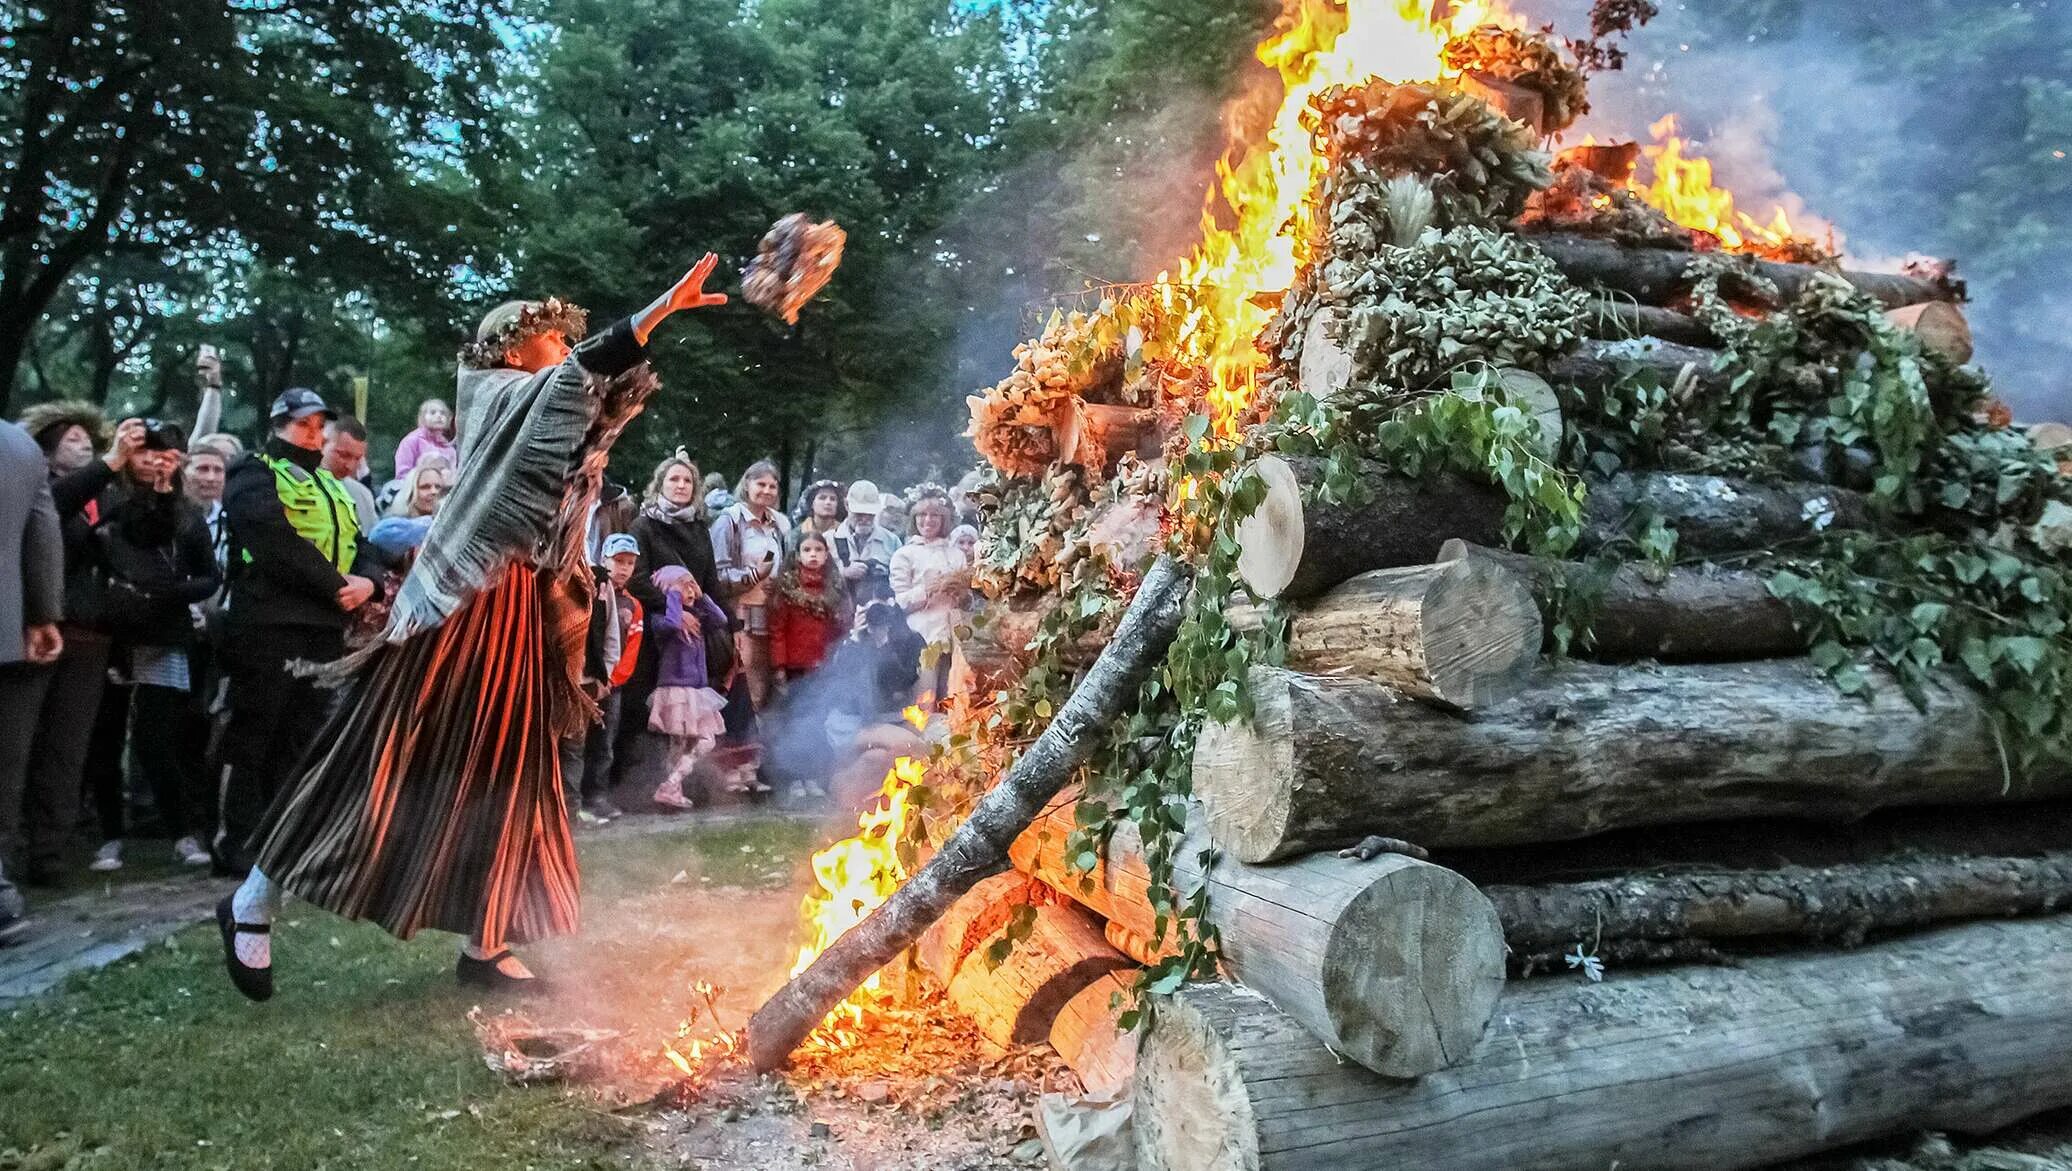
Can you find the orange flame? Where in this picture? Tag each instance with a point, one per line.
(854, 877)
(1684, 191)
(915, 715)
(1261, 186)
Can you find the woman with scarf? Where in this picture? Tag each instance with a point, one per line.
(432, 796)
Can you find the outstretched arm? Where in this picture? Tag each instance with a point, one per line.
(688, 293)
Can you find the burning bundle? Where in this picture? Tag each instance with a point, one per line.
(1508, 57)
(796, 258)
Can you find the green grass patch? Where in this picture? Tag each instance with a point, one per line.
(364, 1061)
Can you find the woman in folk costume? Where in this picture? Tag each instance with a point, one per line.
(432, 797)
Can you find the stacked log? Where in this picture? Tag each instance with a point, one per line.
(1588, 748)
(1964, 1028)
(1394, 962)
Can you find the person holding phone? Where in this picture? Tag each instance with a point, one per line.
(748, 541)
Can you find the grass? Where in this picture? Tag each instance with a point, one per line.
(366, 1061)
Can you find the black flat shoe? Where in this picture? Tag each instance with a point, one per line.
(474, 973)
(255, 983)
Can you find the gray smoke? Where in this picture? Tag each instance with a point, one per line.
(1799, 107)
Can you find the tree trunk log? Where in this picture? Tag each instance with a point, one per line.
(1698, 614)
(1597, 365)
(982, 911)
(1395, 963)
(1941, 327)
(1290, 548)
(1624, 919)
(1463, 633)
(1086, 1036)
(1586, 749)
(1708, 1068)
(1713, 514)
(1016, 1001)
(1611, 317)
(1657, 276)
(978, 849)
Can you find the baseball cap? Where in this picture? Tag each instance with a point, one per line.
(865, 497)
(619, 543)
(298, 402)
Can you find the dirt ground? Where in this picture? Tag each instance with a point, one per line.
(919, 1089)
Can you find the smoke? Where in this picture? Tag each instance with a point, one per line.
(1886, 123)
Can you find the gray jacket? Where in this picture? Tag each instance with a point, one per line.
(32, 549)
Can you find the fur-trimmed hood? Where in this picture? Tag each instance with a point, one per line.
(46, 421)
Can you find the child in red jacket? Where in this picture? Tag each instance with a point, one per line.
(810, 612)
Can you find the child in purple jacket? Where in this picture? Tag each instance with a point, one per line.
(684, 706)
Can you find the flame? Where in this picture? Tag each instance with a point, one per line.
(1684, 191)
(854, 877)
(1253, 213)
(677, 1059)
(915, 715)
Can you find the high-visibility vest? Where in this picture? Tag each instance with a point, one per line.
(320, 509)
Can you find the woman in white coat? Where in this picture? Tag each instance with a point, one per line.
(931, 581)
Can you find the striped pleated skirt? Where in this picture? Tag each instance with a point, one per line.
(432, 798)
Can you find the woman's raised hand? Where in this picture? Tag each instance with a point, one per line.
(688, 293)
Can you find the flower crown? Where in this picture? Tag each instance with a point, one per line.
(927, 489)
(552, 315)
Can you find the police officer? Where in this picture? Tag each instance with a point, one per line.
(294, 546)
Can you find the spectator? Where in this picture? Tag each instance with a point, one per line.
(229, 444)
(862, 550)
(809, 610)
(613, 514)
(929, 576)
(873, 674)
(293, 588)
(748, 542)
(32, 601)
(385, 499)
(208, 460)
(684, 706)
(70, 435)
(821, 508)
(616, 648)
(717, 498)
(434, 433)
(931, 582)
(893, 518)
(153, 546)
(345, 457)
(965, 538)
(671, 530)
(409, 518)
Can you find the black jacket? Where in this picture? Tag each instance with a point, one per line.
(158, 559)
(672, 542)
(289, 582)
(84, 499)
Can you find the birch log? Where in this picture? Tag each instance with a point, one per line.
(1716, 514)
(978, 848)
(1963, 1029)
(1395, 963)
(1587, 748)
(1463, 633)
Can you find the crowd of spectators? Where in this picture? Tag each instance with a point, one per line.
(164, 597)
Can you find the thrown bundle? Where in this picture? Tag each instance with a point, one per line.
(795, 260)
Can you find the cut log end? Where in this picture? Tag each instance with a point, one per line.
(1421, 951)
(1090, 1042)
(1193, 1112)
(1263, 747)
(1270, 540)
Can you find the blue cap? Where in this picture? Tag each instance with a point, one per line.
(298, 402)
(619, 543)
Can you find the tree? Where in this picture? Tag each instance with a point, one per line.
(312, 133)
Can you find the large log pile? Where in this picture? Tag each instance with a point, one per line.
(1478, 905)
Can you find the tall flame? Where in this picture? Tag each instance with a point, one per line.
(854, 877)
(1250, 223)
(1683, 190)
